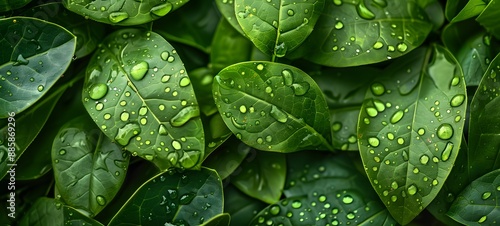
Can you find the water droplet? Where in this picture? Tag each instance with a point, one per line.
(287, 77)
(162, 130)
(124, 116)
(350, 216)
(397, 116)
(162, 10)
(98, 91)
(379, 105)
(300, 89)
(455, 81)
(260, 67)
(486, 195)
(237, 124)
(337, 2)
(278, 114)
(364, 12)
(445, 131)
(339, 25)
(412, 189)
(373, 141)
(126, 133)
(40, 88)
(176, 145)
(372, 112)
(101, 200)
(186, 198)
(20, 60)
(402, 47)
(243, 109)
(290, 12)
(394, 198)
(378, 45)
(296, 204)
(447, 151)
(482, 219)
(457, 100)
(347, 199)
(143, 111)
(165, 78)
(421, 131)
(275, 210)
(139, 70)
(424, 159)
(382, 3)
(185, 115)
(184, 82)
(62, 152)
(280, 50)
(116, 17)
(394, 185)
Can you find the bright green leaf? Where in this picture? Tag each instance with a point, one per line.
(277, 26)
(174, 198)
(410, 129)
(27, 68)
(478, 203)
(273, 107)
(83, 156)
(453, 7)
(471, 9)
(139, 94)
(489, 18)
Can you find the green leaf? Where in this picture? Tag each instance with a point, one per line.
(8, 5)
(226, 8)
(489, 18)
(410, 129)
(471, 9)
(222, 219)
(262, 176)
(226, 159)
(273, 107)
(89, 169)
(351, 33)
(484, 132)
(241, 207)
(325, 189)
(46, 211)
(174, 198)
(123, 12)
(194, 25)
(29, 46)
(453, 7)
(202, 79)
(478, 203)
(139, 94)
(277, 26)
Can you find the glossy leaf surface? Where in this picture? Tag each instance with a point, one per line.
(453, 7)
(28, 47)
(226, 8)
(89, 169)
(478, 203)
(241, 207)
(226, 159)
(484, 132)
(123, 12)
(351, 33)
(273, 107)
(139, 94)
(410, 128)
(277, 26)
(174, 198)
(489, 18)
(471, 9)
(222, 219)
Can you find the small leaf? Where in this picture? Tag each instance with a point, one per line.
(85, 160)
(277, 26)
(351, 33)
(226, 159)
(489, 18)
(477, 204)
(226, 8)
(28, 70)
(139, 94)
(471, 9)
(262, 176)
(273, 107)
(410, 129)
(174, 198)
(123, 12)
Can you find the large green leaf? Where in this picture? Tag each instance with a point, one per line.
(27, 68)
(226, 159)
(351, 33)
(139, 94)
(453, 7)
(7, 5)
(484, 132)
(174, 198)
(410, 129)
(261, 176)
(226, 8)
(323, 189)
(273, 107)
(89, 169)
(277, 26)
(241, 207)
(489, 18)
(471, 9)
(123, 12)
(478, 203)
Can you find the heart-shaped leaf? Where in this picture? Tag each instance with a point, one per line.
(123, 12)
(139, 94)
(277, 26)
(478, 203)
(273, 107)
(28, 70)
(351, 33)
(89, 169)
(410, 129)
(174, 198)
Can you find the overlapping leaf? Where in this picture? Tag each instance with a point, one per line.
(27, 68)
(410, 128)
(138, 92)
(6, 5)
(489, 18)
(471, 9)
(273, 107)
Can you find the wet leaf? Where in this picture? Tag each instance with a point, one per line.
(478, 203)
(226, 8)
(28, 47)
(89, 169)
(226, 159)
(273, 107)
(174, 198)
(277, 26)
(484, 132)
(139, 94)
(489, 18)
(222, 219)
(471, 9)
(123, 12)
(324, 189)
(410, 128)
(351, 33)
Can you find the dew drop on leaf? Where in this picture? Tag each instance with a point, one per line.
(347, 199)
(101, 200)
(377, 89)
(287, 77)
(184, 115)
(139, 70)
(98, 91)
(412, 189)
(402, 47)
(457, 100)
(397, 116)
(339, 25)
(300, 89)
(162, 9)
(278, 114)
(296, 204)
(482, 219)
(364, 12)
(126, 133)
(275, 210)
(162, 130)
(116, 17)
(445, 131)
(190, 159)
(373, 141)
(447, 151)
(186, 198)
(184, 82)
(424, 159)
(40, 88)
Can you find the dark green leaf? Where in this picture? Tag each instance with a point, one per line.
(7, 5)
(123, 12)
(277, 26)
(489, 18)
(262, 176)
(28, 47)
(241, 207)
(228, 157)
(273, 107)
(226, 8)
(174, 198)
(202, 79)
(351, 33)
(139, 94)
(453, 7)
(484, 132)
(410, 129)
(222, 219)
(89, 169)
(471, 9)
(478, 203)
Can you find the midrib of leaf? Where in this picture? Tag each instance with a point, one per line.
(278, 33)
